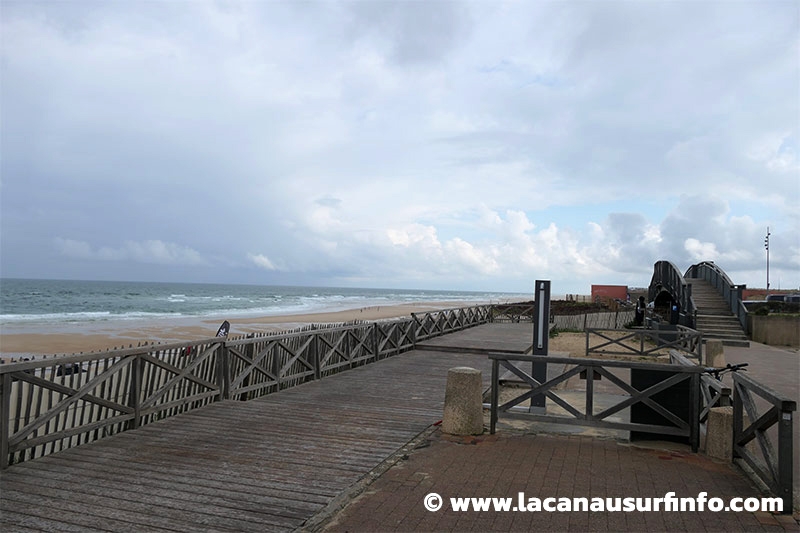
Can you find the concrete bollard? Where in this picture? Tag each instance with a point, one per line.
(715, 354)
(463, 402)
(719, 433)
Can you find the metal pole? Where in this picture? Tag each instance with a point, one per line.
(766, 245)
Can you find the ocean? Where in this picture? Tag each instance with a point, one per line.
(43, 303)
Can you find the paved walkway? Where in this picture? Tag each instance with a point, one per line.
(545, 466)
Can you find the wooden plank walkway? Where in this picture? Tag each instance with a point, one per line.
(517, 338)
(269, 464)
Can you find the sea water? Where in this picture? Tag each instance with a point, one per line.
(50, 303)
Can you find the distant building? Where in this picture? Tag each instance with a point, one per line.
(761, 294)
(607, 294)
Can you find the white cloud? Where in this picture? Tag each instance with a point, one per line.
(395, 144)
(474, 260)
(701, 251)
(261, 261)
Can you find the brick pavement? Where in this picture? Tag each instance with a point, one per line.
(507, 463)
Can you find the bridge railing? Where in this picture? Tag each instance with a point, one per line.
(51, 404)
(732, 293)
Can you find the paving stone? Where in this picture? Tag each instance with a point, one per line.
(608, 469)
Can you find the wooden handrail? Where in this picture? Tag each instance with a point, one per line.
(99, 394)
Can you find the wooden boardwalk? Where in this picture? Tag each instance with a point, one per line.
(267, 464)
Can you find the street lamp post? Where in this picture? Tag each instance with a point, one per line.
(766, 245)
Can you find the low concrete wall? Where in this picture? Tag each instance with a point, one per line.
(776, 330)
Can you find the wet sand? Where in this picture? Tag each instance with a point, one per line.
(68, 339)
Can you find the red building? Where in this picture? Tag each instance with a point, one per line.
(608, 293)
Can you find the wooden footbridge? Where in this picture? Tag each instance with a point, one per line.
(270, 463)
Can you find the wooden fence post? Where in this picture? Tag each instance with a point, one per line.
(315, 356)
(134, 391)
(224, 372)
(375, 342)
(276, 365)
(694, 423)
(785, 459)
(495, 395)
(5, 410)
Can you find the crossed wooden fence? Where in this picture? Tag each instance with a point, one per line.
(52, 404)
(775, 469)
(584, 414)
(645, 341)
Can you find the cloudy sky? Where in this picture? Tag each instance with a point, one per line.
(461, 145)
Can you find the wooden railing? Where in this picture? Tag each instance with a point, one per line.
(51, 404)
(776, 470)
(644, 341)
(584, 414)
(514, 313)
(713, 392)
(578, 321)
(584, 321)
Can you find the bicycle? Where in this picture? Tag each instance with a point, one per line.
(718, 371)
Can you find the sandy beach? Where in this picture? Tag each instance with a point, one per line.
(77, 338)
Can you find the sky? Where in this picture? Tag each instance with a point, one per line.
(442, 145)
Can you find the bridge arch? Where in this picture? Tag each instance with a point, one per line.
(671, 295)
(730, 292)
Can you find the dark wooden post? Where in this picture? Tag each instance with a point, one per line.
(413, 331)
(5, 419)
(589, 414)
(134, 391)
(495, 395)
(375, 342)
(315, 356)
(785, 457)
(694, 423)
(276, 365)
(224, 372)
(738, 413)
